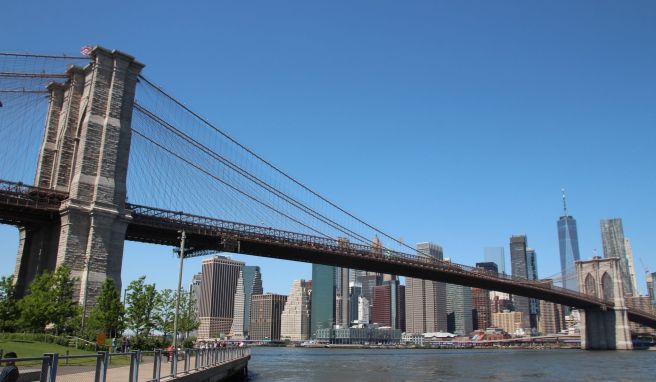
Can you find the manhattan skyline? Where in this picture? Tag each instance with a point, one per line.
(472, 101)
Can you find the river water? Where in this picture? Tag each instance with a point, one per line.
(340, 365)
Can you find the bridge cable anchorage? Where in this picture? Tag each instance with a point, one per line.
(251, 177)
(275, 168)
(206, 172)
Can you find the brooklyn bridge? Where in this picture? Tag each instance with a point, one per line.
(119, 158)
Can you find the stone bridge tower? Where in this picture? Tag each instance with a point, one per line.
(600, 328)
(84, 153)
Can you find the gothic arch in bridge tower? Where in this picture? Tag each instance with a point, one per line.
(590, 288)
(607, 287)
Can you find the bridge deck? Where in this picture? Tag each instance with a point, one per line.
(24, 205)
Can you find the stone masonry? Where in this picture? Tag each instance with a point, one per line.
(85, 152)
(603, 329)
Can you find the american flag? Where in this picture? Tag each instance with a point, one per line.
(86, 50)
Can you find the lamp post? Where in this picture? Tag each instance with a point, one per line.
(183, 237)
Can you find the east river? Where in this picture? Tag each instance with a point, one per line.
(379, 365)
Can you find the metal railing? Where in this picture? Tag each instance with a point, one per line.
(22, 195)
(135, 366)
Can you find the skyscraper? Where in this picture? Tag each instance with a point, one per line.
(194, 295)
(426, 300)
(481, 306)
(217, 302)
(368, 282)
(389, 305)
(459, 309)
(632, 272)
(495, 255)
(323, 298)
(532, 271)
(356, 292)
(568, 240)
(295, 320)
(552, 317)
(518, 262)
(266, 312)
(248, 284)
(342, 292)
(612, 237)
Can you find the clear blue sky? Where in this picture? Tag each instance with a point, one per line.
(454, 122)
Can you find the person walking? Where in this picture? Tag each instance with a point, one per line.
(10, 372)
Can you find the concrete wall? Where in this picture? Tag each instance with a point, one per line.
(218, 373)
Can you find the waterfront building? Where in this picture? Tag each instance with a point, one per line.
(248, 284)
(612, 238)
(499, 302)
(552, 318)
(266, 313)
(368, 282)
(481, 305)
(629, 259)
(323, 298)
(573, 322)
(568, 240)
(389, 305)
(354, 303)
(363, 310)
(510, 322)
(295, 319)
(497, 256)
(425, 302)
(532, 271)
(519, 268)
(459, 309)
(360, 335)
(217, 301)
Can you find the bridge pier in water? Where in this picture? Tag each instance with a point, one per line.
(84, 153)
(603, 329)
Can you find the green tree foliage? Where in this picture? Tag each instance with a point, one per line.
(108, 314)
(165, 311)
(8, 305)
(188, 319)
(50, 301)
(140, 310)
(66, 312)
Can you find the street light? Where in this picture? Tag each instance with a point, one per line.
(183, 237)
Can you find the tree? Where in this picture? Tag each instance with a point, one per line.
(165, 311)
(188, 318)
(141, 302)
(50, 300)
(108, 314)
(37, 307)
(9, 312)
(66, 311)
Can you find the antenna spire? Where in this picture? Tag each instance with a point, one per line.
(564, 201)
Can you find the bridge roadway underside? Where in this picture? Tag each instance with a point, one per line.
(159, 231)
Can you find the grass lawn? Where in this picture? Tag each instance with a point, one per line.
(37, 349)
